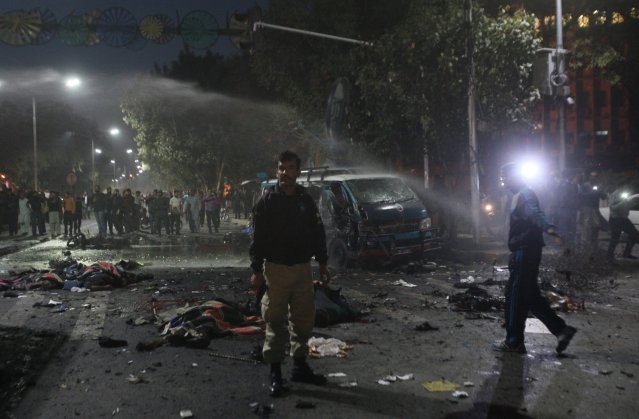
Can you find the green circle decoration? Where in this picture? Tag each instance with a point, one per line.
(199, 29)
(73, 30)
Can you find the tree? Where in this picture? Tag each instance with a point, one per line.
(192, 138)
(411, 83)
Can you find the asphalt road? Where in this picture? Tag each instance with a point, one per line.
(62, 372)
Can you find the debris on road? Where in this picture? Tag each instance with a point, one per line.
(425, 327)
(322, 347)
(393, 378)
(403, 283)
(71, 275)
(440, 386)
(107, 342)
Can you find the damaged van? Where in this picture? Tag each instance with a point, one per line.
(370, 218)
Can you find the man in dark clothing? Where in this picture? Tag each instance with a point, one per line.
(618, 222)
(11, 214)
(128, 211)
(36, 202)
(287, 232)
(116, 211)
(77, 222)
(525, 241)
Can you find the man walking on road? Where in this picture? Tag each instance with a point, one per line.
(525, 241)
(287, 232)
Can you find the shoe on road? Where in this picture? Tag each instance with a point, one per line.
(277, 388)
(505, 348)
(564, 338)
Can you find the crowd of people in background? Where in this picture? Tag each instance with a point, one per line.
(42, 213)
(575, 199)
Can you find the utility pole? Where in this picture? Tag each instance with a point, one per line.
(472, 131)
(35, 147)
(561, 81)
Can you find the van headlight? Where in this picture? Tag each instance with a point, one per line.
(424, 224)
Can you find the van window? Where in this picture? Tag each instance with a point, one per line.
(380, 190)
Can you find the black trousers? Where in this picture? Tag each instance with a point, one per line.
(617, 225)
(523, 296)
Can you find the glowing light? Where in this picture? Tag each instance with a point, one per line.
(488, 207)
(98, 151)
(72, 82)
(595, 188)
(625, 195)
(112, 161)
(114, 131)
(529, 171)
(129, 151)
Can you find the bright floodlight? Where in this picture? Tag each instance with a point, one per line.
(98, 151)
(114, 131)
(72, 82)
(529, 171)
(625, 195)
(129, 151)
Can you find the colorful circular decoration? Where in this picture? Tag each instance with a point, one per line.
(19, 27)
(199, 29)
(158, 28)
(48, 27)
(73, 30)
(117, 26)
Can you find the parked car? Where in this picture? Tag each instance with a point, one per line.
(634, 210)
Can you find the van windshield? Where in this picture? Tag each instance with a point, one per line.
(380, 190)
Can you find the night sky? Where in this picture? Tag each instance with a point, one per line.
(105, 71)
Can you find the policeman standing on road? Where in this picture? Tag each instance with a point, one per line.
(525, 241)
(287, 232)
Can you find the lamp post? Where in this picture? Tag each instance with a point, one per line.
(562, 80)
(114, 180)
(94, 151)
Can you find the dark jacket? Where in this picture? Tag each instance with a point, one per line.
(287, 230)
(527, 222)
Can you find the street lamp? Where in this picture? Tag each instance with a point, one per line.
(114, 131)
(70, 83)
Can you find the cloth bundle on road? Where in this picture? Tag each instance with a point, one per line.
(70, 273)
(476, 299)
(211, 319)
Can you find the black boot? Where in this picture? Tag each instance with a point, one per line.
(277, 388)
(303, 373)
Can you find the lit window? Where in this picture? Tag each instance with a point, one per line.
(583, 21)
(617, 18)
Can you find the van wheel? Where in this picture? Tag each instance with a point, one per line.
(338, 255)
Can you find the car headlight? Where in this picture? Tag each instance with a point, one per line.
(425, 224)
